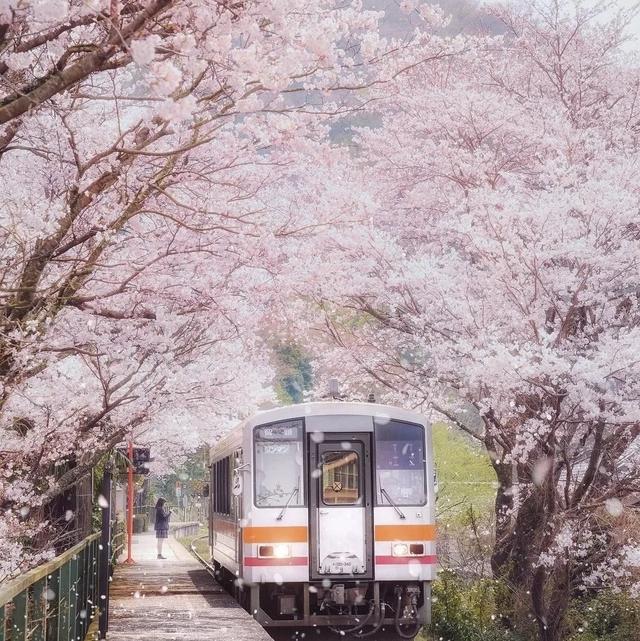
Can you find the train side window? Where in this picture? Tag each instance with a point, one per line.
(215, 483)
(226, 486)
(216, 493)
(216, 490)
(221, 486)
(340, 478)
(214, 487)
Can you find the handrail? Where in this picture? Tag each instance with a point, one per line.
(13, 587)
(185, 528)
(182, 524)
(59, 599)
(117, 545)
(118, 539)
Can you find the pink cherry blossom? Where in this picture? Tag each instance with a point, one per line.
(151, 196)
(143, 51)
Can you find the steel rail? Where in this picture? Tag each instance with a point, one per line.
(195, 553)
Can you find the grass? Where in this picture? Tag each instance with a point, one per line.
(465, 476)
(201, 545)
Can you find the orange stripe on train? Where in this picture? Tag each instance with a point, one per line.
(405, 532)
(291, 534)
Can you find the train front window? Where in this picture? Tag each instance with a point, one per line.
(400, 464)
(278, 465)
(340, 478)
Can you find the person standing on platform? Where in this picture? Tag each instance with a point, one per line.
(163, 514)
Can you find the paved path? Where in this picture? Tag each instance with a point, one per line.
(173, 600)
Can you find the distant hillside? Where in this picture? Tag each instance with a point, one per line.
(466, 17)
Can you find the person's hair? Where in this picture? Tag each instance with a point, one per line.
(160, 503)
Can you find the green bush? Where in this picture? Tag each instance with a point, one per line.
(466, 612)
(607, 617)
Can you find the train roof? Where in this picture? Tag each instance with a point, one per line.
(233, 439)
(334, 408)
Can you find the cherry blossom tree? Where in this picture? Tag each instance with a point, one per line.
(154, 159)
(498, 278)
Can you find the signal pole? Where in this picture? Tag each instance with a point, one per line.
(105, 553)
(129, 560)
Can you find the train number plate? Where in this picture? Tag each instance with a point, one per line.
(341, 563)
(340, 567)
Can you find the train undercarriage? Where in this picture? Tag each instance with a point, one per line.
(356, 608)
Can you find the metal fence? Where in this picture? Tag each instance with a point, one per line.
(118, 540)
(180, 530)
(56, 601)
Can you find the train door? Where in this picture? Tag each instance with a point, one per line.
(340, 506)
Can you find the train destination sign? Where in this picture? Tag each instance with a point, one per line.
(286, 431)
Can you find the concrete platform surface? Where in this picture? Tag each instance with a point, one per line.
(173, 600)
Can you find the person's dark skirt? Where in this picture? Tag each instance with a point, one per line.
(162, 534)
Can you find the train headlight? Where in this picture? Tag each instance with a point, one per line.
(277, 551)
(281, 551)
(399, 549)
(407, 549)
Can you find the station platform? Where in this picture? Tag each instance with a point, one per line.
(173, 600)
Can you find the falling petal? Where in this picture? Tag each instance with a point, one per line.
(614, 507)
(540, 471)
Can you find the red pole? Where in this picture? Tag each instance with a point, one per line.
(130, 512)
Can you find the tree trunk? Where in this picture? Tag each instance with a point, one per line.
(550, 598)
(518, 534)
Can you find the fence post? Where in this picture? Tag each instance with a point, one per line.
(104, 555)
(20, 613)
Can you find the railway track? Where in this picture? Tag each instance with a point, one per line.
(198, 556)
(293, 635)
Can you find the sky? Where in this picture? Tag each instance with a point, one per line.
(463, 12)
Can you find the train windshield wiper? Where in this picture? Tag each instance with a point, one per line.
(286, 505)
(395, 507)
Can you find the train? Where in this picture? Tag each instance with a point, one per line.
(323, 515)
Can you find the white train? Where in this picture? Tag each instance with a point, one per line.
(322, 514)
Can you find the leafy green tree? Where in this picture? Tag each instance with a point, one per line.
(295, 374)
